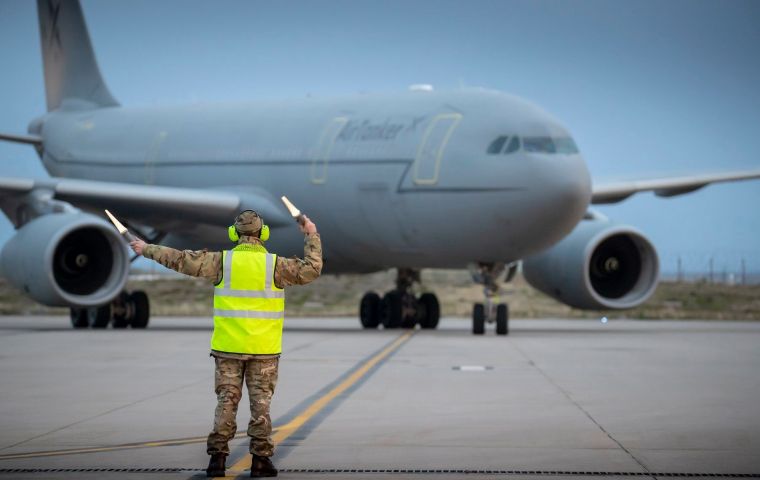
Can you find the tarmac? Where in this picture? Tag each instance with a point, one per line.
(555, 398)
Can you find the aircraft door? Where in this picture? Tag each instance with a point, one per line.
(427, 163)
(324, 148)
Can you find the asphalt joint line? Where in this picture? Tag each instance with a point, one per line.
(567, 395)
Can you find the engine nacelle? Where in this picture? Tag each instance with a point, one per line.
(67, 259)
(600, 265)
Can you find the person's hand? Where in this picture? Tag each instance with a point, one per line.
(137, 246)
(307, 226)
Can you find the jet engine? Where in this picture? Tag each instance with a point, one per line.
(600, 265)
(67, 259)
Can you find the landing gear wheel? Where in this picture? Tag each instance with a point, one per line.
(99, 317)
(478, 319)
(408, 323)
(391, 309)
(369, 310)
(502, 319)
(431, 309)
(121, 311)
(409, 307)
(79, 318)
(119, 321)
(141, 309)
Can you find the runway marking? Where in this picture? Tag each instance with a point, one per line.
(111, 448)
(300, 419)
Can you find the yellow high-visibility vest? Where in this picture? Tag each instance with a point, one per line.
(248, 308)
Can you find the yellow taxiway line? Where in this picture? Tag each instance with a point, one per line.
(285, 431)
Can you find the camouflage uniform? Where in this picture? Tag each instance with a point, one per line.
(200, 263)
(259, 371)
(261, 378)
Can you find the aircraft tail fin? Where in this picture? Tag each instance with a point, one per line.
(71, 71)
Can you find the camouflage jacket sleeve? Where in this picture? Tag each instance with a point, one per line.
(195, 263)
(296, 271)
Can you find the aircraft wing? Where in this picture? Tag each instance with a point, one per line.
(161, 208)
(617, 191)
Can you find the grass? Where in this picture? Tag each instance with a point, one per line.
(339, 295)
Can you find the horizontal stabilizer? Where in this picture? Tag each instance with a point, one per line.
(27, 139)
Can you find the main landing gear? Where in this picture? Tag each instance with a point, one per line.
(490, 311)
(126, 310)
(400, 307)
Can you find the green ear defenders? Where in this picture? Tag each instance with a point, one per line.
(232, 233)
(234, 236)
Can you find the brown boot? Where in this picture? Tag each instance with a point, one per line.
(262, 467)
(216, 465)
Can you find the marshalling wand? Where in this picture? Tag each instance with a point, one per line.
(294, 212)
(121, 228)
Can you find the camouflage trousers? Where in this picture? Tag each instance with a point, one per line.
(261, 377)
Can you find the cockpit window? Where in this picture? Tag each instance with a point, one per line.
(539, 144)
(514, 145)
(509, 144)
(497, 145)
(565, 145)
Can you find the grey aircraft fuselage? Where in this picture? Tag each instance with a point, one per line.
(392, 180)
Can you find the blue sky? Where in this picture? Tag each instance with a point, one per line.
(646, 87)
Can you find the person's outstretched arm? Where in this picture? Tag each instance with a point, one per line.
(199, 263)
(297, 271)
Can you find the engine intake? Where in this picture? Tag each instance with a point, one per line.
(600, 265)
(67, 259)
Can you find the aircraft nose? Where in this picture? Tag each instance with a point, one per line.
(566, 191)
(571, 185)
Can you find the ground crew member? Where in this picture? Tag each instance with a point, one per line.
(249, 307)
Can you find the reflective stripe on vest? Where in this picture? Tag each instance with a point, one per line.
(248, 308)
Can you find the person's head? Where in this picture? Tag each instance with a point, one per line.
(250, 224)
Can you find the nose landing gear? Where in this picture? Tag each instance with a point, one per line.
(490, 311)
(400, 307)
